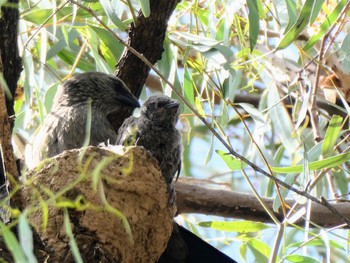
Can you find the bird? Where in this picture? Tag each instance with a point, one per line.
(83, 101)
(155, 130)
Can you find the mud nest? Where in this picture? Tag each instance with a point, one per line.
(117, 205)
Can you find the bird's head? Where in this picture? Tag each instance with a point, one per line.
(106, 92)
(161, 110)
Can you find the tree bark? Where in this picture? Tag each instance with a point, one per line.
(147, 37)
(10, 67)
(12, 63)
(201, 200)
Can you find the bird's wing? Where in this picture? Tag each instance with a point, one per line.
(178, 171)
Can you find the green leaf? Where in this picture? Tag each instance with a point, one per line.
(232, 163)
(110, 41)
(12, 244)
(316, 10)
(260, 250)
(280, 116)
(39, 16)
(257, 116)
(188, 86)
(301, 259)
(345, 47)
(26, 238)
(240, 226)
(69, 58)
(341, 179)
(318, 243)
(332, 135)
(72, 243)
(254, 23)
(2, 2)
(292, 13)
(299, 25)
(49, 96)
(327, 23)
(316, 165)
(211, 150)
(145, 7)
(110, 12)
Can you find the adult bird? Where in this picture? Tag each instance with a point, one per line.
(156, 131)
(79, 114)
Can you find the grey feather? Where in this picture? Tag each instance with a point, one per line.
(155, 130)
(65, 126)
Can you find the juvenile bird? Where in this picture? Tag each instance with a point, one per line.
(84, 99)
(155, 130)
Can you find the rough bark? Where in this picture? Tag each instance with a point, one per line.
(201, 200)
(147, 37)
(10, 67)
(12, 63)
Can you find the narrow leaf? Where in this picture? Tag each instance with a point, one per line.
(110, 12)
(254, 23)
(316, 165)
(240, 226)
(110, 41)
(328, 22)
(145, 8)
(232, 163)
(12, 243)
(280, 117)
(299, 25)
(72, 243)
(331, 136)
(26, 238)
(292, 13)
(188, 86)
(316, 10)
(300, 258)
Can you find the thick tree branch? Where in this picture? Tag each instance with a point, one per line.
(11, 60)
(10, 69)
(147, 38)
(201, 200)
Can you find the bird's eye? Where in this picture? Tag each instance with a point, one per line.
(161, 104)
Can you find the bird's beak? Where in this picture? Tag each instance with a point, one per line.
(129, 100)
(173, 104)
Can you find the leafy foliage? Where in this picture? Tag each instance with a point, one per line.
(220, 55)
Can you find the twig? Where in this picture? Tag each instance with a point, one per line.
(44, 23)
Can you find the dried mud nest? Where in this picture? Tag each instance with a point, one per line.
(117, 205)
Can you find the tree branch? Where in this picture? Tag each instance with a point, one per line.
(201, 200)
(147, 38)
(10, 69)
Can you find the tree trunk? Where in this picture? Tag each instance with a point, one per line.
(147, 38)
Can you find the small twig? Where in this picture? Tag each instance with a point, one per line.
(312, 105)
(132, 11)
(274, 253)
(315, 237)
(44, 23)
(342, 17)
